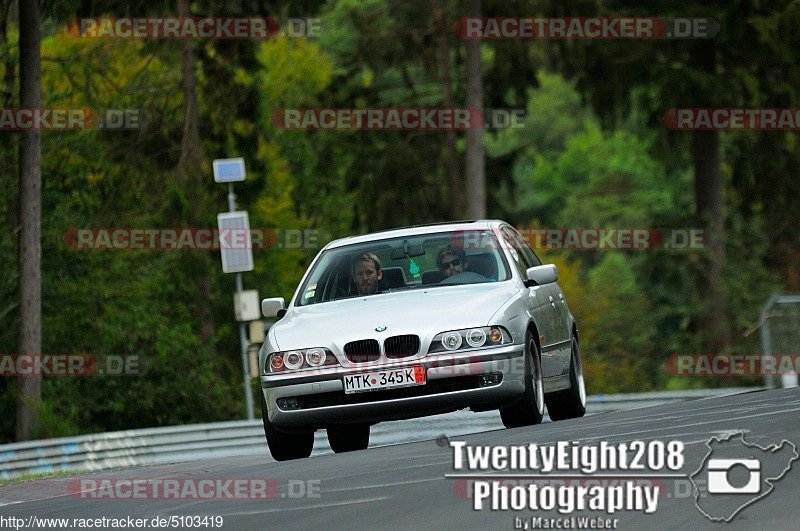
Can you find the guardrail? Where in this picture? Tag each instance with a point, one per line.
(246, 437)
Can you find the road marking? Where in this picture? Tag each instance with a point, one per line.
(11, 503)
(361, 487)
(306, 507)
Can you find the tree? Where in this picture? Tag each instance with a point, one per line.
(8, 65)
(190, 175)
(456, 188)
(728, 70)
(475, 156)
(30, 216)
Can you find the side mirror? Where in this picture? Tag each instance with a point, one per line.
(541, 275)
(273, 307)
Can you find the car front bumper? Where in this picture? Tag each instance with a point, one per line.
(453, 381)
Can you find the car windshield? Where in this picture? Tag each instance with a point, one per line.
(426, 260)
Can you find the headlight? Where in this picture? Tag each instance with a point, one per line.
(476, 337)
(276, 362)
(315, 357)
(451, 340)
(484, 336)
(300, 359)
(293, 359)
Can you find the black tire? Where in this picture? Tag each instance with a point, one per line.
(571, 403)
(285, 446)
(348, 437)
(530, 408)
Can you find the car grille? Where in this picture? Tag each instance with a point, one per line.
(362, 351)
(401, 346)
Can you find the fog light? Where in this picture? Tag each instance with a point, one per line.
(288, 403)
(486, 380)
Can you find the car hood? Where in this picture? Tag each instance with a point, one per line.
(424, 312)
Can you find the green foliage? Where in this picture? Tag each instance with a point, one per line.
(618, 343)
(293, 72)
(604, 162)
(640, 307)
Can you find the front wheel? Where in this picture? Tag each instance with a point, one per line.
(285, 446)
(530, 408)
(348, 437)
(571, 403)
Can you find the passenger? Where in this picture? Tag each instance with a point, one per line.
(367, 273)
(451, 261)
(454, 266)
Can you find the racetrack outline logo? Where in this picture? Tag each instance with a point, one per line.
(719, 484)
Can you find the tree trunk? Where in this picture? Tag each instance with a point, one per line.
(709, 195)
(709, 191)
(475, 168)
(190, 173)
(456, 187)
(191, 147)
(10, 165)
(30, 216)
(8, 65)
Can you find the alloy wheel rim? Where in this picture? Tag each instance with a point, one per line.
(576, 360)
(537, 379)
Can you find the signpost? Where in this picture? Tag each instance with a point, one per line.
(234, 241)
(237, 256)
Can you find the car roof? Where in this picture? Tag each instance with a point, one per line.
(479, 224)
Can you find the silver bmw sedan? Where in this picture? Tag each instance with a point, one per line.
(413, 322)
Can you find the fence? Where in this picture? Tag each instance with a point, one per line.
(780, 332)
(246, 437)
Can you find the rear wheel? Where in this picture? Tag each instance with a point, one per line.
(571, 403)
(285, 446)
(530, 408)
(348, 437)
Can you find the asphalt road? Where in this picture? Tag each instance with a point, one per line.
(404, 486)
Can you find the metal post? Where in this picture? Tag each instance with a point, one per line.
(766, 342)
(245, 361)
(248, 392)
(231, 198)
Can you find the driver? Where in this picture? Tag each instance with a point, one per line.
(367, 273)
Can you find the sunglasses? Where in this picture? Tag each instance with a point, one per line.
(452, 263)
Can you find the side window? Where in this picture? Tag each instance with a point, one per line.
(517, 253)
(526, 249)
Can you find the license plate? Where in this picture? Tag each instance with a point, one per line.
(390, 379)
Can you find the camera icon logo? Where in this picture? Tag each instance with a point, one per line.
(718, 482)
(736, 473)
